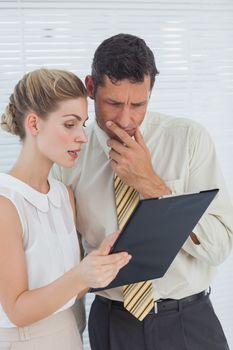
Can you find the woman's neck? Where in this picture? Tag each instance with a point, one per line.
(32, 170)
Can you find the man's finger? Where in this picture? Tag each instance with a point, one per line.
(121, 134)
(139, 138)
(115, 156)
(117, 146)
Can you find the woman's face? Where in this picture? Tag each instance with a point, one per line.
(61, 135)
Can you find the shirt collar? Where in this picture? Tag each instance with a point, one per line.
(102, 138)
(40, 200)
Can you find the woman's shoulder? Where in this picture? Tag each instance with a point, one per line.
(9, 215)
(11, 205)
(6, 204)
(8, 193)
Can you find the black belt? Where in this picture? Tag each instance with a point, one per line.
(161, 304)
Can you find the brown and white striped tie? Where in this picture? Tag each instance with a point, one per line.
(138, 297)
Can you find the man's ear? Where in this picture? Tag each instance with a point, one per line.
(89, 86)
(31, 123)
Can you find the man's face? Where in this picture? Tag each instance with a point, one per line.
(124, 103)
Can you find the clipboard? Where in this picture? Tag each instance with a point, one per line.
(154, 234)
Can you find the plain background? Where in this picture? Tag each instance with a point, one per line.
(193, 45)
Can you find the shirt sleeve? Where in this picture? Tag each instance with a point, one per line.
(215, 229)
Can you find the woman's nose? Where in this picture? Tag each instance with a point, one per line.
(81, 137)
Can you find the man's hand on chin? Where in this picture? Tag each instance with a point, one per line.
(131, 161)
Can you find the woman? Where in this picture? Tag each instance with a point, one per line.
(40, 273)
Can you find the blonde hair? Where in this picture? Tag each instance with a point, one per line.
(39, 91)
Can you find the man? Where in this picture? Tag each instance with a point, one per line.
(155, 155)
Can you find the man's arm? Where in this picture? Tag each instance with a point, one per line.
(215, 229)
(212, 239)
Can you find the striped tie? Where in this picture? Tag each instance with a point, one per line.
(138, 297)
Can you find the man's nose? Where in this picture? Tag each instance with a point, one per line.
(123, 117)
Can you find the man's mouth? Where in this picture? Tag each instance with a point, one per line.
(130, 131)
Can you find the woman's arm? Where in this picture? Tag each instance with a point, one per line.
(73, 206)
(24, 306)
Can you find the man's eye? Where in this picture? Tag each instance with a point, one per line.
(138, 105)
(116, 104)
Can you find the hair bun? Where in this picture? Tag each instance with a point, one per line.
(8, 122)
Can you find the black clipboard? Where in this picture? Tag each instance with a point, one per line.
(154, 234)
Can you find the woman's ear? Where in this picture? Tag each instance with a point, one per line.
(89, 86)
(31, 124)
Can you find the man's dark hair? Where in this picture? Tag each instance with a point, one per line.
(123, 56)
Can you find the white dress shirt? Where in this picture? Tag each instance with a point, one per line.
(183, 155)
(49, 234)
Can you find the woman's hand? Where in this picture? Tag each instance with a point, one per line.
(98, 268)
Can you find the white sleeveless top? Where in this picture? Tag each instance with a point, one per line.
(49, 235)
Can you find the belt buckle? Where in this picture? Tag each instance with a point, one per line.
(155, 307)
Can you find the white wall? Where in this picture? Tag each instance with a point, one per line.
(193, 45)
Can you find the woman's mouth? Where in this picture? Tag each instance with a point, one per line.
(74, 154)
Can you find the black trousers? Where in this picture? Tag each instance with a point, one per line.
(184, 325)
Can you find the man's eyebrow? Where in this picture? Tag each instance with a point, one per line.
(109, 99)
(139, 103)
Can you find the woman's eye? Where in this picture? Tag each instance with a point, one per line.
(68, 126)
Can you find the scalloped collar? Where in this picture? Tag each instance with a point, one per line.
(36, 198)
